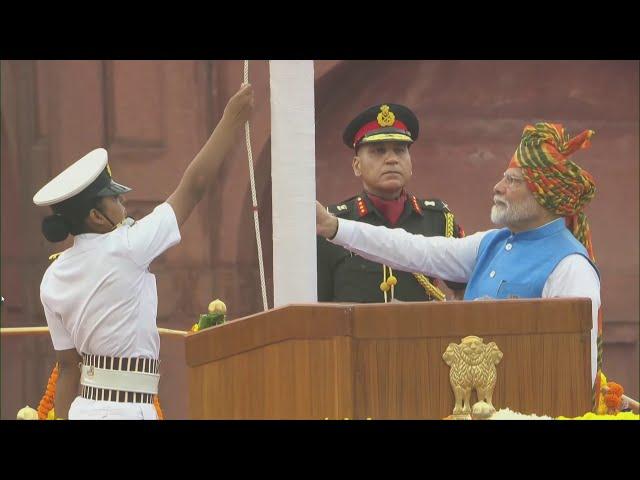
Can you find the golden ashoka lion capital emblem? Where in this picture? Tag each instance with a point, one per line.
(473, 366)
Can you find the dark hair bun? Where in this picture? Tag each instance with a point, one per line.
(55, 228)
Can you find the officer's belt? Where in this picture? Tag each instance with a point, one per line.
(135, 375)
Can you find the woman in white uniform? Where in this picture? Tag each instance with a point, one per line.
(99, 299)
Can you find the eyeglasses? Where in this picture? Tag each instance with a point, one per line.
(511, 180)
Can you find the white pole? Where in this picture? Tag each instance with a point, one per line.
(293, 181)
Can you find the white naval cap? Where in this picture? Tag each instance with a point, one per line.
(92, 171)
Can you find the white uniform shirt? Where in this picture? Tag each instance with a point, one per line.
(99, 296)
(455, 258)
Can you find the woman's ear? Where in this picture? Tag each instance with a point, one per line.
(94, 219)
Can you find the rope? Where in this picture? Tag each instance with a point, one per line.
(430, 288)
(449, 224)
(39, 330)
(383, 285)
(253, 198)
(388, 284)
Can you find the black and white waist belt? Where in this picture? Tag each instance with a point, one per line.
(118, 379)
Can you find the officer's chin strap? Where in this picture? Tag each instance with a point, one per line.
(107, 217)
(128, 221)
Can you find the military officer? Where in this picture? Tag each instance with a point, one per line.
(381, 137)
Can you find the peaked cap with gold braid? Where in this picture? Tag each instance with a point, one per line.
(385, 122)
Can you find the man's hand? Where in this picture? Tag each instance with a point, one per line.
(240, 106)
(326, 224)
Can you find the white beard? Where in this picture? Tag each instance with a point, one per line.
(505, 214)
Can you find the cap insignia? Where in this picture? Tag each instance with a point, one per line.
(386, 118)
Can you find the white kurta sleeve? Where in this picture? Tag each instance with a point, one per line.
(574, 276)
(152, 235)
(450, 259)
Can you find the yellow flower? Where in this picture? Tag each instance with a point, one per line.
(217, 306)
(384, 286)
(52, 414)
(628, 416)
(391, 281)
(593, 416)
(195, 328)
(27, 413)
(602, 406)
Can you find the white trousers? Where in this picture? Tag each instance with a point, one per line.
(85, 409)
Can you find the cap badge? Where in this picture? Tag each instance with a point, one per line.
(386, 118)
(109, 171)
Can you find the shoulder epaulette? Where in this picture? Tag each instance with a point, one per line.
(340, 209)
(55, 256)
(433, 204)
(437, 205)
(352, 207)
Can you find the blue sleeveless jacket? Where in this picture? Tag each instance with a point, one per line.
(517, 265)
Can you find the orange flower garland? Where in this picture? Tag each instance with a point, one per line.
(613, 397)
(613, 403)
(46, 404)
(615, 388)
(156, 403)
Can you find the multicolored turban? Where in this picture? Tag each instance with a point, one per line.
(557, 183)
(560, 186)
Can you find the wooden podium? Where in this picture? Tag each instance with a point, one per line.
(384, 361)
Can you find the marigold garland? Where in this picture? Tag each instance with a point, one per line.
(613, 398)
(609, 397)
(613, 403)
(156, 403)
(615, 388)
(46, 404)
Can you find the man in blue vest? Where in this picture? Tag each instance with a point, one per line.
(543, 249)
